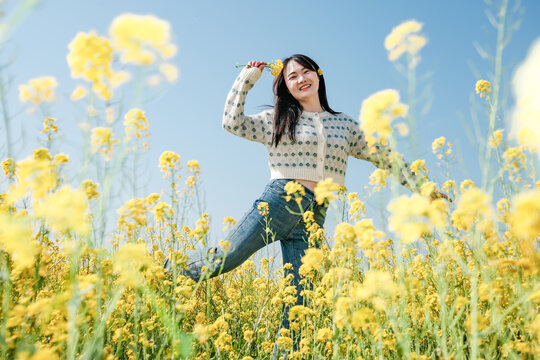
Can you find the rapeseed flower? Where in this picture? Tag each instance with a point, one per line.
(276, 67)
(168, 161)
(496, 138)
(378, 111)
(473, 206)
(129, 261)
(228, 221)
(136, 123)
(17, 239)
(65, 210)
(526, 90)
(38, 90)
(324, 191)
(141, 39)
(404, 38)
(90, 58)
(483, 87)
(78, 93)
(102, 141)
(312, 260)
(263, 208)
(411, 217)
(525, 215)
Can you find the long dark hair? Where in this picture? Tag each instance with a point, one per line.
(287, 109)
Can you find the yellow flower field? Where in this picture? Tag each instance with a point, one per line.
(72, 288)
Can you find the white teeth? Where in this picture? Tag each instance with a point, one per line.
(304, 87)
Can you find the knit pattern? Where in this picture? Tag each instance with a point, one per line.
(323, 141)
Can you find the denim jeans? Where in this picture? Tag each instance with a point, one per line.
(250, 235)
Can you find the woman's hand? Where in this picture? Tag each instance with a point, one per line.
(438, 195)
(258, 64)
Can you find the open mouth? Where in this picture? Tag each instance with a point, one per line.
(304, 87)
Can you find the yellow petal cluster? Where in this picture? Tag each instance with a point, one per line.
(404, 38)
(38, 90)
(378, 111)
(413, 216)
(102, 141)
(141, 39)
(90, 57)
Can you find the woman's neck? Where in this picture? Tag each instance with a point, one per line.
(312, 106)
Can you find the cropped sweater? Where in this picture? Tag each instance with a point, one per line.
(323, 141)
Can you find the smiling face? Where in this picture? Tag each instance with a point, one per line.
(303, 83)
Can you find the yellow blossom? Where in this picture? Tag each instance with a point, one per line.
(78, 93)
(473, 206)
(128, 261)
(38, 90)
(324, 191)
(103, 142)
(162, 211)
(276, 67)
(16, 238)
(525, 216)
(141, 39)
(263, 208)
(168, 161)
(311, 260)
(48, 125)
(136, 123)
(379, 110)
(65, 210)
(411, 217)
(496, 138)
(169, 71)
(324, 334)
(378, 178)
(483, 87)
(405, 38)
(9, 166)
(90, 57)
(228, 221)
(90, 188)
(194, 167)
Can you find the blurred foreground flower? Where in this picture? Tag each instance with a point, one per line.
(324, 190)
(403, 38)
(129, 261)
(103, 142)
(526, 89)
(141, 39)
(378, 111)
(90, 58)
(38, 90)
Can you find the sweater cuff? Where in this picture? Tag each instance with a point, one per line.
(251, 74)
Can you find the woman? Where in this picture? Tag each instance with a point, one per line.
(307, 142)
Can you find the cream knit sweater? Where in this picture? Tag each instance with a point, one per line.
(323, 141)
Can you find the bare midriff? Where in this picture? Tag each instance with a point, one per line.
(308, 183)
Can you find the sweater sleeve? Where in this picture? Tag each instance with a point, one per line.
(250, 127)
(398, 167)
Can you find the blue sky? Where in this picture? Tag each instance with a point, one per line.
(344, 37)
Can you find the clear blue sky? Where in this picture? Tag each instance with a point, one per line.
(344, 37)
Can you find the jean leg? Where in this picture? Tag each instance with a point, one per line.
(293, 249)
(250, 233)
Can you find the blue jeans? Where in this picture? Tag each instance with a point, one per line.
(250, 235)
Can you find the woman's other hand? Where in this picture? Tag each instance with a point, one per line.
(258, 64)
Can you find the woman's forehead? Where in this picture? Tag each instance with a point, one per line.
(294, 66)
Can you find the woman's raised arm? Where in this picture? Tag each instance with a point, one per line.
(250, 127)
